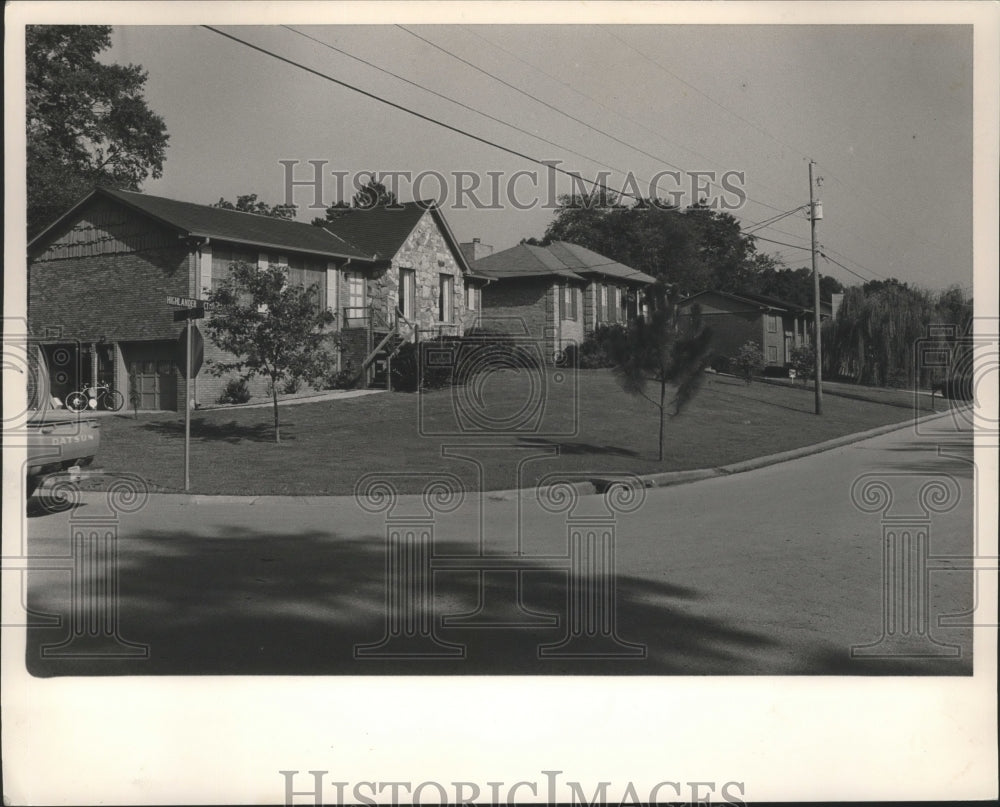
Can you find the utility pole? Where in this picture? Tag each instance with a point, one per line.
(818, 372)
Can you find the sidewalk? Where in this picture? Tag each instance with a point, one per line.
(329, 395)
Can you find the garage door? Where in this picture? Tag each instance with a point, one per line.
(152, 375)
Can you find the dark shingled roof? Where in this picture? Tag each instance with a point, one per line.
(524, 260)
(380, 231)
(761, 301)
(581, 259)
(237, 226)
(560, 258)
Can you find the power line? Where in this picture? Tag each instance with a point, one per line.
(590, 98)
(555, 109)
(416, 114)
(766, 223)
(859, 265)
(452, 100)
(782, 243)
(702, 93)
(878, 211)
(826, 257)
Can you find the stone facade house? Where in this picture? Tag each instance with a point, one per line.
(775, 325)
(560, 292)
(99, 279)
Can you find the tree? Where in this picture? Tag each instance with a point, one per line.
(274, 329)
(689, 248)
(803, 360)
(874, 333)
(371, 195)
(664, 350)
(747, 360)
(87, 123)
(248, 204)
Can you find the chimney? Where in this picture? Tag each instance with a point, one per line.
(475, 249)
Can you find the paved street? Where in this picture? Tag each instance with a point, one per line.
(773, 571)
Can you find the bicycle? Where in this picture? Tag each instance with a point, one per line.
(102, 393)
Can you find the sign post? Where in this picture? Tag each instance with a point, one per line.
(187, 409)
(192, 309)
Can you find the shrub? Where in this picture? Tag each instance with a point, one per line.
(747, 360)
(721, 364)
(456, 359)
(291, 386)
(341, 379)
(601, 346)
(236, 392)
(804, 361)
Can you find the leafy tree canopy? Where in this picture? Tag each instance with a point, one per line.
(688, 248)
(273, 328)
(695, 248)
(87, 123)
(372, 194)
(248, 204)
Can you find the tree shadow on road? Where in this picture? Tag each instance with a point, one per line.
(249, 603)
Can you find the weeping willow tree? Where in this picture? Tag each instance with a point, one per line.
(872, 338)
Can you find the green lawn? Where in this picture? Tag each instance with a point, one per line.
(582, 425)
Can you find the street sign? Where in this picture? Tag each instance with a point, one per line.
(197, 351)
(185, 302)
(189, 313)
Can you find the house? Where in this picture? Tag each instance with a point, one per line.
(99, 278)
(561, 292)
(777, 326)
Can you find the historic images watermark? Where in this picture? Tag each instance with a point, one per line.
(526, 189)
(91, 564)
(497, 443)
(312, 787)
(912, 504)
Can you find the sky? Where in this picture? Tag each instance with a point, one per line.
(885, 111)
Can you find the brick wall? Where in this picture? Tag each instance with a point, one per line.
(731, 331)
(121, 297)
(511, 301)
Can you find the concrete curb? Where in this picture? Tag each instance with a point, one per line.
(681, 477)
(596, 483)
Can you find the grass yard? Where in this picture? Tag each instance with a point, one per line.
(566, 422)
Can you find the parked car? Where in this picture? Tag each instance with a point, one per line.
(59, 446)
(60, 443)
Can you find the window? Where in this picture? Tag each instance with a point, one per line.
(772, 354)
(446, 298)
(223, 257)
(472, 298)
(772, 323)
(407, 291)
(568, 302)
(354, 311)
(602, 305)
(304, 273)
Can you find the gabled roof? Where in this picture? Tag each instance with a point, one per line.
(560, 258)
(228, 225)
(759, 301)
(524, 260)
(382, 231)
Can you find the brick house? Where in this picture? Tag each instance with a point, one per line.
(777, 326)
(99, 276)
(561, 292)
